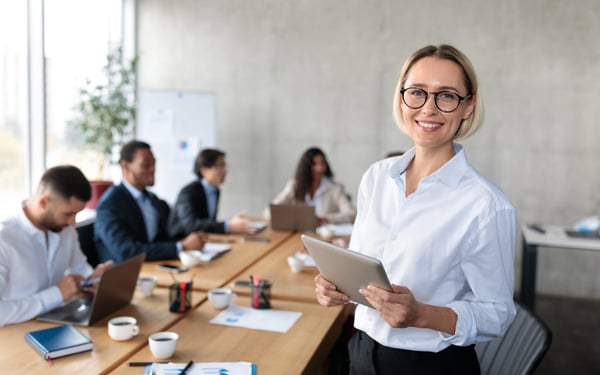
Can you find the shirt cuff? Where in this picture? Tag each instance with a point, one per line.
(179, 246)
(465, 332)
(226, 226)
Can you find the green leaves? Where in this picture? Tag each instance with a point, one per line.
(107, 110)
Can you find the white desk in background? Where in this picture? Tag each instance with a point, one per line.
(552, 236)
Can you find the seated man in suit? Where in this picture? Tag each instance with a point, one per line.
(197, 203)
(130, 220)
(41, 263)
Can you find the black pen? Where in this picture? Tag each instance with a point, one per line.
(142, 364)
(187, 367)
(218, 240)
(256, 239)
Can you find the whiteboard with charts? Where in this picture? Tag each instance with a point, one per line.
(177, 124)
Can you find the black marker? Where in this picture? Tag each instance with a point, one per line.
(142, 364)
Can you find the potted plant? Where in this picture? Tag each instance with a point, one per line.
(106, 114)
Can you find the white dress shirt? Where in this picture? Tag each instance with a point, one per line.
(316, 199)
(30, 268)
(148, 210)
(451, 242)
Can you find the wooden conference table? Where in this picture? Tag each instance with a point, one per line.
(550, 236)
(152, 314)
(286, 284)
(245, 250)
(301, 350)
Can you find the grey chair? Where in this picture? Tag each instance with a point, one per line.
(520, 350)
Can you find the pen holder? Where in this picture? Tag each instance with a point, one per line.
(261, 294)
(180, 296)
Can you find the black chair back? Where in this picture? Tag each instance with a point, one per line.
(86, 241)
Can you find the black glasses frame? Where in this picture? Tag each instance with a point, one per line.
(435, 98)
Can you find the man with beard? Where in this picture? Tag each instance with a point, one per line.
(41, 263)
(131, 220)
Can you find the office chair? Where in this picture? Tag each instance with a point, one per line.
(86, 242)
(520, 350)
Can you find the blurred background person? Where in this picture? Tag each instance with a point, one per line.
(314, 185)
(197, 203)
(131, 220)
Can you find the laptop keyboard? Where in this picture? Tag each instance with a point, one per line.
(78, 309)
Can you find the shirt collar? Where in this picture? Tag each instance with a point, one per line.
(208, 187)
(27, 224)
(450, 173)
(132, 190)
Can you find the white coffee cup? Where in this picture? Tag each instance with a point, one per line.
(220, 298)
(147, 284)
(163, 344)
(325, 231)
(296, 263)
(123, 328)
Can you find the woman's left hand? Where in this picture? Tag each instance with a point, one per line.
(398, 308)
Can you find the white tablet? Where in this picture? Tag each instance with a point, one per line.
(347, 269)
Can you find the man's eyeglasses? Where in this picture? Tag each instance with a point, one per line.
(445, 101)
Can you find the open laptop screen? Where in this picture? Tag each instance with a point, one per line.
(296, 217)
(115, 290)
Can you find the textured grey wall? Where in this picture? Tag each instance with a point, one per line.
(290, 74)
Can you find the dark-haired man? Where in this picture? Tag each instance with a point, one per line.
(41, 263)
(131, 220)
(197, 203)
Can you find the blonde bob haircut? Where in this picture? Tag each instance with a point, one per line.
(445, 52)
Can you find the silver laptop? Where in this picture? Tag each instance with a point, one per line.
(295, 217)
(114, 291)
(347, 269)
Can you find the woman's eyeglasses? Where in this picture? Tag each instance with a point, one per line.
(445, 101)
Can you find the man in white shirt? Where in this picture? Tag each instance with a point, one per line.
(41, 263)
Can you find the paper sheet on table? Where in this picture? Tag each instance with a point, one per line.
(266, 320)
(257, 225)
(342, 229)
(203, 368)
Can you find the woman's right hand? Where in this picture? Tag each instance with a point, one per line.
(327, 293)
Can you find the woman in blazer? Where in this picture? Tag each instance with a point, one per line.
(314, 185)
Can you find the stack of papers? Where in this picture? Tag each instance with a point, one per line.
(212, 250)
(266, 320)
(203, 368)
(257, 225)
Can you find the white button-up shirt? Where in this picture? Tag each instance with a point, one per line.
(30, 268)
(451, 242)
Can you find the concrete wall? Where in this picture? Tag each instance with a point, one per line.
(290, 74)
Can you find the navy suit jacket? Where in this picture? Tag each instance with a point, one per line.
(190, 213)
(120, 231)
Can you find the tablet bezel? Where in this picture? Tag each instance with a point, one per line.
(347, 269)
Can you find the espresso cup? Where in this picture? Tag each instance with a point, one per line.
(147, 284)
(296, 263)
(123, 328)
(220, 298)
(163, 344)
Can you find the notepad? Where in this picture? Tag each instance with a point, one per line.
(58, 341)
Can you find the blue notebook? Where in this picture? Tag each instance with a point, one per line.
(58, 341)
